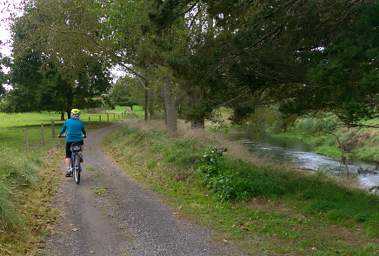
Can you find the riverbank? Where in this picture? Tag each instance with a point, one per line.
(323, 134)
(267, 210)
(360, 144)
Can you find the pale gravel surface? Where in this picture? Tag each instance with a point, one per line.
(125, 220)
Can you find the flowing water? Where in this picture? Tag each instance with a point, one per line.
(298, 154)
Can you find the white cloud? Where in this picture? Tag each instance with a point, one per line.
(117, 72)
(8, 9)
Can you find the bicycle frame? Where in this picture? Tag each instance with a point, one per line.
(75, 161)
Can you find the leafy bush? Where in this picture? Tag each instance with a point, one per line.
(235, 180)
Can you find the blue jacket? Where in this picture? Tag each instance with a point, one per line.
(74, 129)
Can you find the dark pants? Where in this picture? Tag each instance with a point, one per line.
(68, 145)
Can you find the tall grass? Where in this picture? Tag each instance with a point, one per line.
(16, 170)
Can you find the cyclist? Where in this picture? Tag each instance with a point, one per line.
(75, 132)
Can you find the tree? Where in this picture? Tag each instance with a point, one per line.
(119, 94)
(142, 48)
(239, 54)
(345, 80)
(281, 50)
(47, 76)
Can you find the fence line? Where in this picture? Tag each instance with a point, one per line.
(53, 126)
(42, 135)
(26, 139)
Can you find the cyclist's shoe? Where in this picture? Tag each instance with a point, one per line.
(69, 173)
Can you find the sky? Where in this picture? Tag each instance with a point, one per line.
(8, 8)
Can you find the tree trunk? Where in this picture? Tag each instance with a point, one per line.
(62, 116)
(151, 104)
(196, 97)
(146, 104)
(170, 106)
(68, 114)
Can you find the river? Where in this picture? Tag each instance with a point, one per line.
(300, 155)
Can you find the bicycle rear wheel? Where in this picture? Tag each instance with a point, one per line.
(77, 169)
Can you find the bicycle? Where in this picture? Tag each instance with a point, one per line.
(76, 159)
(75, 166)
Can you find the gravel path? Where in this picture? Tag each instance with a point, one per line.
(109, 214)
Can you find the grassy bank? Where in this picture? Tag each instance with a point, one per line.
(361, 144)
(323, 144)
(322, 133)
(26, 202)
(260, 209)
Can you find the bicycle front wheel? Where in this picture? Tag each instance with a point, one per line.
(77, 169)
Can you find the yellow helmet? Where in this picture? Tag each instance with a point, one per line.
(75, 111)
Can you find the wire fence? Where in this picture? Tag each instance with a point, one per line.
(48, 131)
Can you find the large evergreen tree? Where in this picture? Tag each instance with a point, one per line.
(298, 53)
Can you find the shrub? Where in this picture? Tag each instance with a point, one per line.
(235, 180)
(230, 179)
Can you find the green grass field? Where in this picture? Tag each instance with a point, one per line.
(265, 211)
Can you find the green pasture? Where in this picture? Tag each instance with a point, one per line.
(15, 120)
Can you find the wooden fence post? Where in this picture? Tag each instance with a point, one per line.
(114, 116)
(89, 118)
(26, 139)
(99, 118)
(42, 135)
(107, 117)
(53, 129)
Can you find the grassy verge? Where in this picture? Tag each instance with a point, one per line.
(262, 210)
(29, 214)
